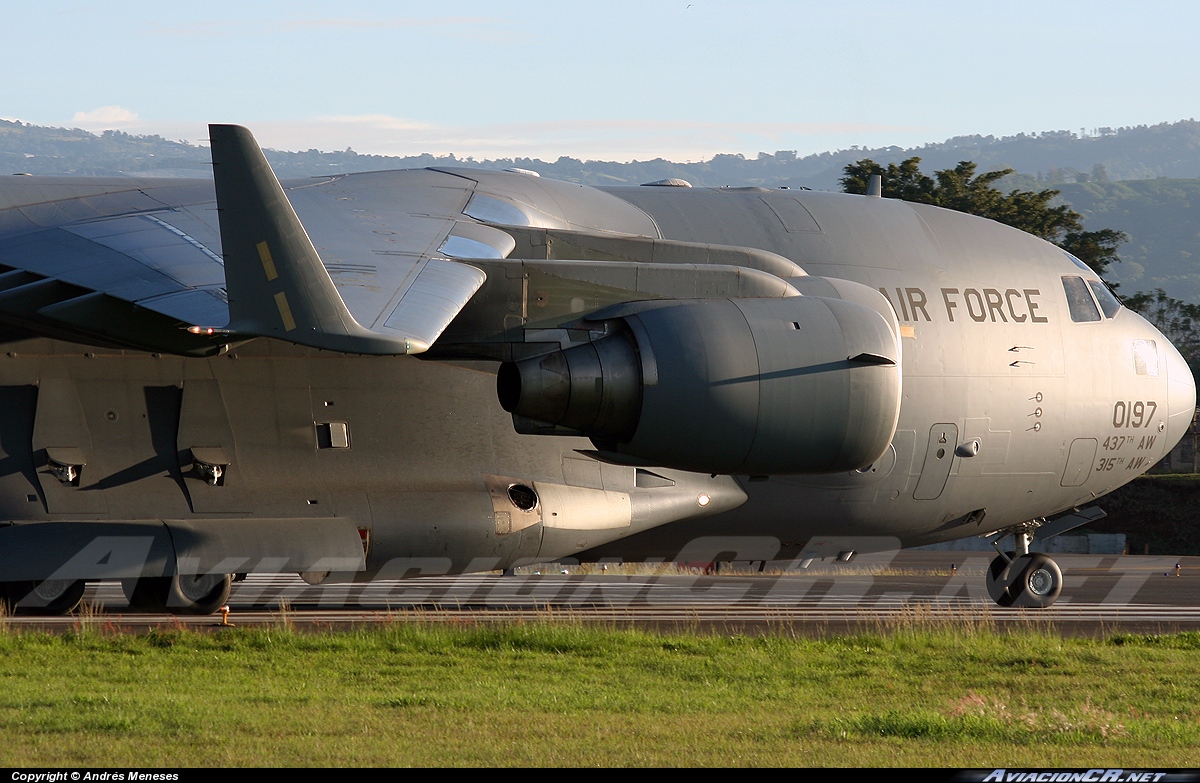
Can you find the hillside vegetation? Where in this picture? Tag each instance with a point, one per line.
(1162, 219)
(1052, 157)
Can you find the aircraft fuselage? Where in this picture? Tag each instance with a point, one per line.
(1014, 407)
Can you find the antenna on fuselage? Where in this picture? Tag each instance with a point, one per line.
(875, 186)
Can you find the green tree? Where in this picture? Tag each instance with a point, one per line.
(903, 181)
(960, 188)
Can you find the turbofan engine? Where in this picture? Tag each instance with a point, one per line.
(803, 384)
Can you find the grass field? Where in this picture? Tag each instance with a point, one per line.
(572, 695)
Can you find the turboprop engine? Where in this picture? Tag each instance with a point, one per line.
(802, 384)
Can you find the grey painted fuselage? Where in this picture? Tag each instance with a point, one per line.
(1031, 412)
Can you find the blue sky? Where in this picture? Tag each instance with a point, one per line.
(609, 80)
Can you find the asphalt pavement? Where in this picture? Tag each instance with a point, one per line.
(1102, 594)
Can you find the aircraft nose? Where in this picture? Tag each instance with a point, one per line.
(1181, 396)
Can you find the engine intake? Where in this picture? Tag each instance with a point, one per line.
(595, 388)
(804, 384)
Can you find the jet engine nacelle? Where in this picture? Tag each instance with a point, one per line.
(804, 384)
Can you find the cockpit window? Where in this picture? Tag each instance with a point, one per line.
(1108, 302)
(1079, 300)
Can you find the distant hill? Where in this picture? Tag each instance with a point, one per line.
(1162, 219)
(1166, 150)
(1142, 180)
(34, 149)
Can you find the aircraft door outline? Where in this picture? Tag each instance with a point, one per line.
(939, 457)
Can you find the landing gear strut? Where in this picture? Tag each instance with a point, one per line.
(1024, 579)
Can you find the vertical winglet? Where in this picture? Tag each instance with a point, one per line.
(277, 285)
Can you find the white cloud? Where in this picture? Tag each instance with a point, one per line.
(106, 117)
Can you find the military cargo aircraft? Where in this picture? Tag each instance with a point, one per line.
(450, 370)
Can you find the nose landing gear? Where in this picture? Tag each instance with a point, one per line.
(1030, 581)
(1024, 579)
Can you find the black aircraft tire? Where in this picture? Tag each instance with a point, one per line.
(147, 594)
(1031, 581)
(999, 580)
(1037, 581)
(11, 593)
(180, 594)
(47, 598)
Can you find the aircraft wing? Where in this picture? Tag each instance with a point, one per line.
(133, 263)
(370, 263)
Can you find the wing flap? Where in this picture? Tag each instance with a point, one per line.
(59, 309)
(434, 298)
(120, 322)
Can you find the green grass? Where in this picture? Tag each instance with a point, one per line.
(570, 695)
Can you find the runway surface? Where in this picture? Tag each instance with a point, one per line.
(1101, 595)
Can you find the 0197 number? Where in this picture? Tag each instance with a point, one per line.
(1133, 413)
